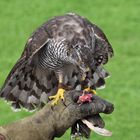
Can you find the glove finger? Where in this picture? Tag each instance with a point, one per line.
(95, 107)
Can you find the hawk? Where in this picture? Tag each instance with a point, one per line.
(66, 52)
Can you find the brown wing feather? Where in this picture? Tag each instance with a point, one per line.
(38, 39)
(28, 85)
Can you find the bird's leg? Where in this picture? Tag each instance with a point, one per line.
(60, 92)
(59, 95)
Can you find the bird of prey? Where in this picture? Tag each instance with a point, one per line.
(66, 52)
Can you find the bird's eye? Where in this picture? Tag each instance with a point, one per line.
(100, 59)
(101, 56)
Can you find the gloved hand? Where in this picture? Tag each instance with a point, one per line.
(74, 113)
(53, 121)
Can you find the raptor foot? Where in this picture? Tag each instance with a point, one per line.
(59, 95)
(89, 90)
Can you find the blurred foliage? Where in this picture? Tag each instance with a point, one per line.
(119, 19)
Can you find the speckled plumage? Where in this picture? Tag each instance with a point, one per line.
(58, 46)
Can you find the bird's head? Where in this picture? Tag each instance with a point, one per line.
(80, 57)
(85, 58)
(89, 53)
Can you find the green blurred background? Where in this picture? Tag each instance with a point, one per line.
(120, 21)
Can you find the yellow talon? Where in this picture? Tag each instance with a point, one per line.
(94, 91)
(59, 95)
(90, 90)
(87, 89)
